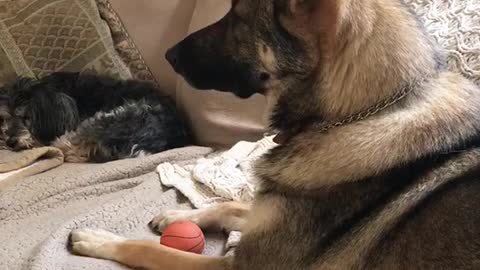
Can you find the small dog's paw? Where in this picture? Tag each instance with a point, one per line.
(94, 243)
(168, 217)
(73, 152)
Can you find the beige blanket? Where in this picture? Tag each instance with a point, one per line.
(38, 212)
(18, 165)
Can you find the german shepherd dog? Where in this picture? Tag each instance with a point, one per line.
(379, 164)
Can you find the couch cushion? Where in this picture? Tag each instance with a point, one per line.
(124, 44)
(154, 26)
(41, 36)
(219, 119)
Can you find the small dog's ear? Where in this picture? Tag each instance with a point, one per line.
(19, 85)
(52, 114)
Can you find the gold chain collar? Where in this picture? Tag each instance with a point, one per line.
(376, 108)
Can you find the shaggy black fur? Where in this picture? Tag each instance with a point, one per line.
(101, 117)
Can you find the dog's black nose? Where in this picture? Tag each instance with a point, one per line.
(11, 142)
(172, 58)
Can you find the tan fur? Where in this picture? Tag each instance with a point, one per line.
(76, 151)
(228, 217)
(352, 49)
(354, 151)
(145, 254)
(25, 140)
(352, 250)
(151, 255)
(264, 214)
(267, 57)
(269, 63)
(271, 98)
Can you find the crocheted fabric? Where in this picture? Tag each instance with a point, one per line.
(455, 25)
(219, 177)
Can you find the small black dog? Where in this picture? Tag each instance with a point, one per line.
(90, 118)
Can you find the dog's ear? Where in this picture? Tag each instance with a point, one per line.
(52, 114)
(320, 15)
(297, 7)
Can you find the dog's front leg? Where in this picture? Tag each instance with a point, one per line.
(139, 253)
(229, 216)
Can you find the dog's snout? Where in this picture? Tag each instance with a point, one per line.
(173, 57)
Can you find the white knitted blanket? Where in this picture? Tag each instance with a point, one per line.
(226, 176)
(455, 25)
(219, 177)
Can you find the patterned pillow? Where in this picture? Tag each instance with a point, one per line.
(124, 44)
(38, 37)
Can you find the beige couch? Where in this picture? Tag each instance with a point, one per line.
(122, 196)
(218, 119)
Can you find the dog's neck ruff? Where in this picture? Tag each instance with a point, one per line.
(321, 126)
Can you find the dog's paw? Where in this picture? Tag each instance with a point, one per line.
(168, 217)
(95, 243)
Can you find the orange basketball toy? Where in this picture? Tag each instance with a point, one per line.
(184, 235)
